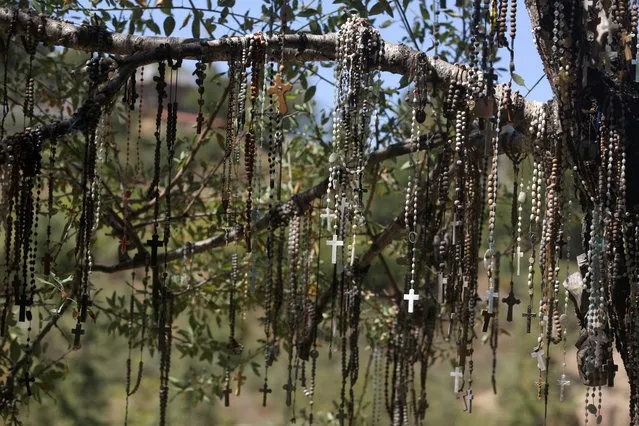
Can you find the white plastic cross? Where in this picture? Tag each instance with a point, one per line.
(457, 374)
(411, 297)
(334, 243)
(540, 359)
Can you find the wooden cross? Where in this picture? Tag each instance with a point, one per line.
(511, 301)
(334, 243)
(529, 315)
(563, 382)
(86, 302)
(124, 243)
(27, 379)
(154, 243)
(47, 260)
(289, 388)
(77, 331)
(540, 359)
(265, 390)
(487, 316)
(240, 379)
(361, 190)
(491, 299)
(457, 374)
(226, 392)
(341, 416)
(411, 297)
(611, 368)
(279, 88)
(24, 302)
(469, 400)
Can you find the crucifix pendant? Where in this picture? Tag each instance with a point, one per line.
(511, 301)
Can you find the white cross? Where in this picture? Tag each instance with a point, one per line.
(328, 216)
(442, 282)
(563, 383)
(466, 281)
(334, 243)
(520, 254)
(491, 299)
(411, 297)
(469, 400)
(540, 359)
(457, 374)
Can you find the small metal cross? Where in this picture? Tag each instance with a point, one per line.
(491, 299)
(511, 301)
(529, 315)
(540, 359)
(334, 243)
(77, 331)
(520, 254)
(469, 400)
(487, 316)
(328, 216)
(563, 382)
(457, 374)
(443, 281)
(279, 88)
(634, 62)
(289, 388)
(411, 297)
(265, 390)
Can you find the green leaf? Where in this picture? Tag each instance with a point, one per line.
(226, 3)
(310, 93)
(186, 21)
(307, 12)
(517, 79)
(153, 26)
(195, 26)
(386, 23)
(377, 9)
(169, 25)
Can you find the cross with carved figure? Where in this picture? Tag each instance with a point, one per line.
(458, 375)
(469, 400)
(520, 254)
(289, 388)
(77, 331)
(265, 390)
(334, 243)
(511, 301)
(529, 315)
(540, 359)
(492, 295)
(24, 302)
(240, 380)
(411, 297)
(563, 382)
(279, 88)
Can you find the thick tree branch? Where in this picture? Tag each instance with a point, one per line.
(141, 50)
(282, 213)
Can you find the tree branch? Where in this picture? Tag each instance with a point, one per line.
(281, 214)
